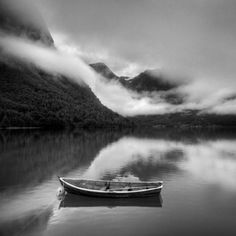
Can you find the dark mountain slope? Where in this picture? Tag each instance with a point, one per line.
(107, 73)
(186, 119)
(31, 97)
(151, 80)
(104, 70)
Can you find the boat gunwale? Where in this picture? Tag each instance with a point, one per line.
(114, 181)
(112, 192)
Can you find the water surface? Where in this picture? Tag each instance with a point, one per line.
(198, 169)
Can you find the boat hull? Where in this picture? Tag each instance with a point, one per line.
(70, 188)
(73, 201)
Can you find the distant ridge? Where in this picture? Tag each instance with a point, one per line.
(151, 80)
(104, 70)
(147, 81)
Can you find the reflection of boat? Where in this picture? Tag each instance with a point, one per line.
(103, 188)
(72, 200)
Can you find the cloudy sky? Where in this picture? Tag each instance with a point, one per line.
(194, 36)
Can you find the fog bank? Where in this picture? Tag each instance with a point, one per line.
(199, 93)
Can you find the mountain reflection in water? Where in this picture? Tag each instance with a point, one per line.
(198, 169)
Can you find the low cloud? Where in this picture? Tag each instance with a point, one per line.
(202, 93)
(93, 53)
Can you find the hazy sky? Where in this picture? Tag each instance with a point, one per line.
(193, 36)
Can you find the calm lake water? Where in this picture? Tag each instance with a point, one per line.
(198, 169)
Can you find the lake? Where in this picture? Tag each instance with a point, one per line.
(198, 169)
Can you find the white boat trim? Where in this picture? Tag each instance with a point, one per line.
(116, 181)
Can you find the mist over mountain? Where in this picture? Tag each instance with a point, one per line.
(40, 91)
(151, 81)
(31, 97)
(21, 18)
(146, 82)
(102, 69)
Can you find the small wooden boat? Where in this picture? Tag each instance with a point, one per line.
(103, 188)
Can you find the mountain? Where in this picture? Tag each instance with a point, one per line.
(107, 73)
(104, 70)
(19, 18)
(186, 120)
(151, 80)
(147, 81)
(32, 97)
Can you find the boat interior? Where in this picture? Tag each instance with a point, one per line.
(112, 185)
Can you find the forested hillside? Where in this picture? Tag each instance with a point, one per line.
(31, 97)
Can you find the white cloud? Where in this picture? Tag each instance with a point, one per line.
(200, 93)
(211, 161)
(92, 53)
